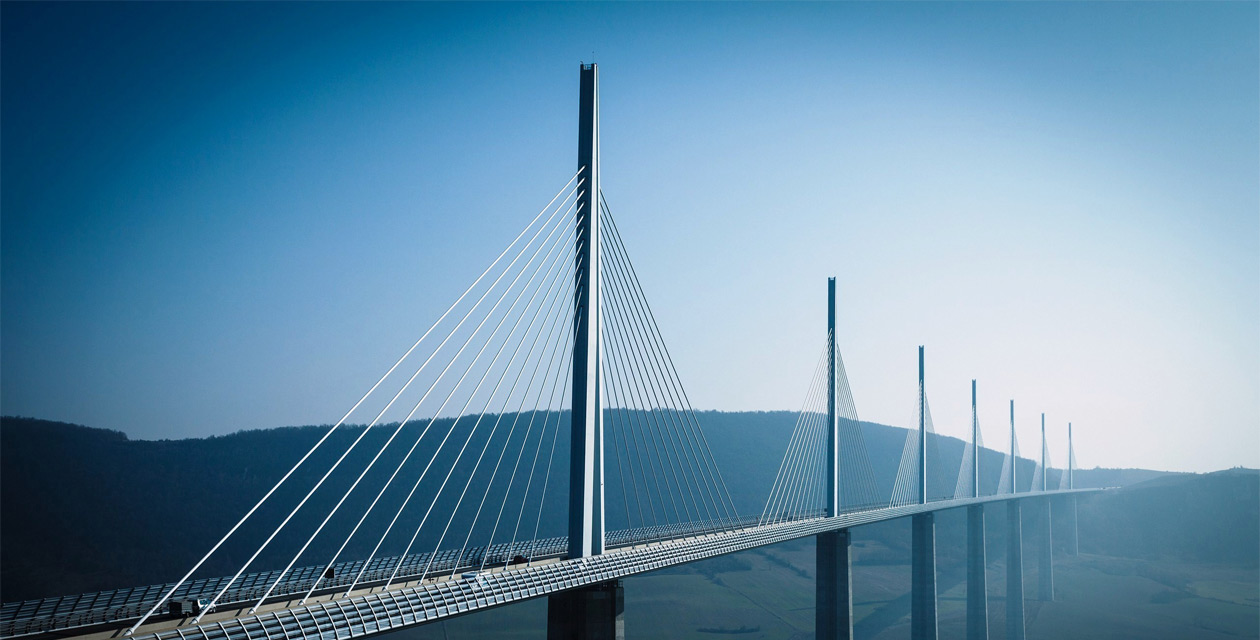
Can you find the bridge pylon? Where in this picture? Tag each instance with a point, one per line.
(1071, 464)
(594, 611)
(922, 480)
(923, 623)
(977, 584)
(586, 449)
(1045, 549)
(833, 425)
(1014, 552)
(833, 577)
(1074, 543)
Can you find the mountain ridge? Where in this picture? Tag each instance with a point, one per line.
(106, 511)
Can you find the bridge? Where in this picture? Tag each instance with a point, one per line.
(554, 349)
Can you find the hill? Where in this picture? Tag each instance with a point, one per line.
(87, 509)
(1205, 518)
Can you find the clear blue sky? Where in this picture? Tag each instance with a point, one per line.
(228, 216)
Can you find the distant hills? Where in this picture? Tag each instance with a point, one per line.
(1205, 518)
(86, 509)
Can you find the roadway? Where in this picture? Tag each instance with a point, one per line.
(370, 609)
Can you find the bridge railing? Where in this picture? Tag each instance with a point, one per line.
(102, 607)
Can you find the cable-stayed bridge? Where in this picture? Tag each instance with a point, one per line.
(537, 441)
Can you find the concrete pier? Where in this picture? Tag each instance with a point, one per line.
(833, 596)
(1074, 538)
(923, 577)
(590, 613)
(1045, 555)
(977, 585)
(1014, 572)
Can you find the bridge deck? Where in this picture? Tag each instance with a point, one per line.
(117, 605)
(369, 610)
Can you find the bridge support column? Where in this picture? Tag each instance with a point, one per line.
(977, 584)
(1045, 556)
(833, 595)
(923, 577)
(589, 613)
(1014, 572)
(1074, 546)
(1074, 542)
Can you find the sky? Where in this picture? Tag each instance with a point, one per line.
(231, 216)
